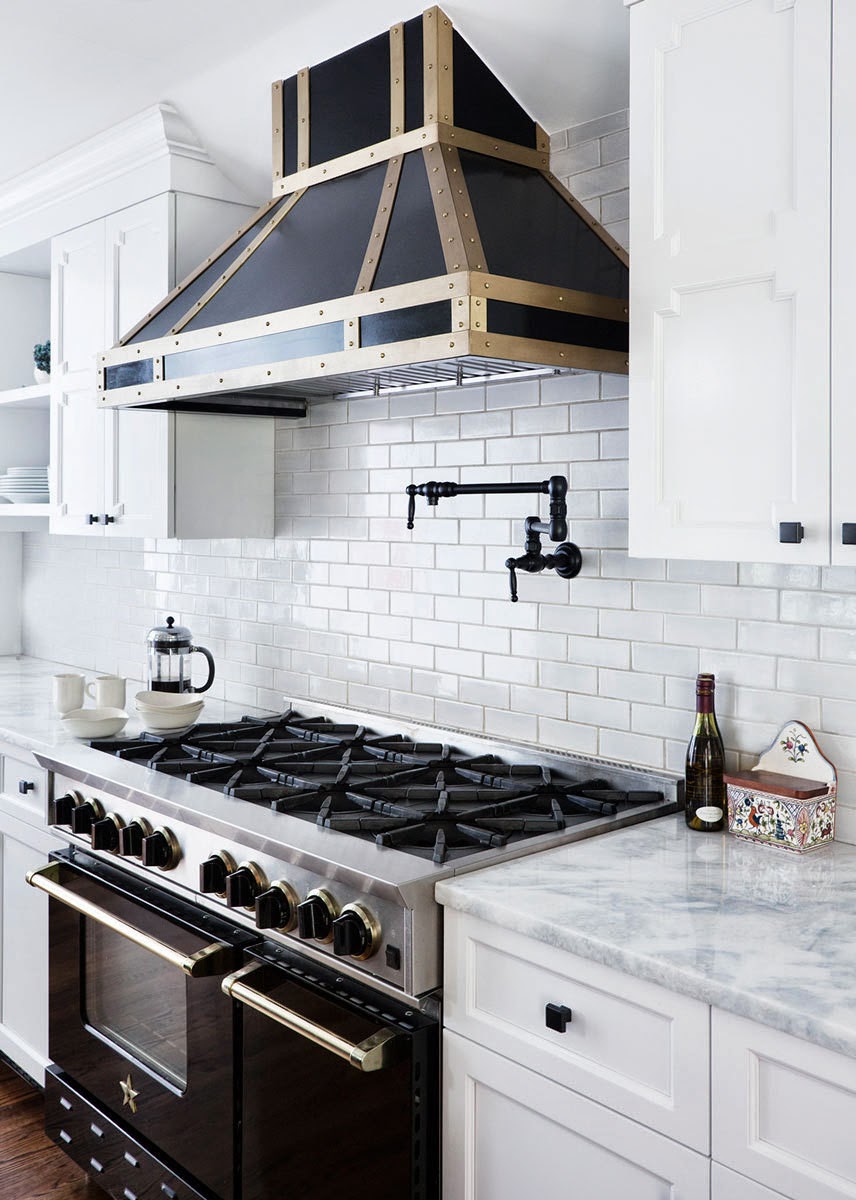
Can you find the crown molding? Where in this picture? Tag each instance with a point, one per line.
(149, 153)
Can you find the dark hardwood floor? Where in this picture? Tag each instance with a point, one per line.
(31, 1167)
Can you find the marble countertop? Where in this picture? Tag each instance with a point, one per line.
(762, 933)
(29, 720)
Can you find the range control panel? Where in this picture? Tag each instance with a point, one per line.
(285, 901)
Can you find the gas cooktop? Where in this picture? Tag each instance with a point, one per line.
(421, 797)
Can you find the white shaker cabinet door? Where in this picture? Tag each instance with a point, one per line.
(77, 462)
(509, 1134)
(843, 285)
(729, 359)
(77, 305)
(138, 460)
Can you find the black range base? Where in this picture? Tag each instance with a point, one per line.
(425, 798)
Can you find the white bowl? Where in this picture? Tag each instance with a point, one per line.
(95, 722)
(169, 722)
(167, 701)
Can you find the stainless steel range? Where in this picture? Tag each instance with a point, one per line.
(287, 863)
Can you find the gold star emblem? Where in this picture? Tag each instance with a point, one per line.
(129, 1095)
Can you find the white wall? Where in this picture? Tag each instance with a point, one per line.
(346, 606)
(10, 593)
(25, 318)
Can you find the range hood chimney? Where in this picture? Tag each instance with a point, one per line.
(416, 237)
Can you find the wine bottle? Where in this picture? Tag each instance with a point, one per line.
(705, 793)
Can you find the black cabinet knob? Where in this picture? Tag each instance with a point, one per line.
(213, 873)
(160, 849)
(277, 907)
(105, 833)
(83, 816)
(791, 531)
(63, 808)
(558, 1017)
(91, 519)
(131, 838)
(26, 785)
(243, 885)
(848, 533)
(315, 916)
(355, 933)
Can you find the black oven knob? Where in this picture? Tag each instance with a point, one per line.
(243, 885)
(131, 837)
(315, 916)
(105, 833)
(213, 872)
(356, 934)
(277, 907)
(64, 806)
(161, 849)
(84, 816)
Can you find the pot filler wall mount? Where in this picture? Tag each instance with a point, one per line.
(415, 238)
(566, 561)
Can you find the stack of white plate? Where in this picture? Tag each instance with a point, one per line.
(24, 485)
(165, 712)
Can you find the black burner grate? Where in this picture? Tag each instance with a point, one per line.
(425, 798)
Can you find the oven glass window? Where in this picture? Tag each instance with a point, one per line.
(137, 1002)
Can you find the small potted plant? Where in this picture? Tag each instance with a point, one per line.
(42, 359)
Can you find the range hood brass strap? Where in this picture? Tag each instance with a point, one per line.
(380, 1050)
(266, 231)
(211, 960)
(377, 236)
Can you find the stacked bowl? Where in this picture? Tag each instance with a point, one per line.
(24, 485)
(168, 712)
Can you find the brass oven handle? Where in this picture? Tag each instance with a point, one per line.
(210, 960)
(380, 1050)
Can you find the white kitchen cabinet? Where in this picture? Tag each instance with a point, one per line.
(728, 1185)
(730, 190)
(629, 1044)
(509, 1133)
(24, 843)
(137, 473)
(783, 1110)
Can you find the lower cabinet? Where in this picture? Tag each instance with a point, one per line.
(728, 1185)
(24, 844)
(510, 1134)
(568, 1080)
(784, 1110)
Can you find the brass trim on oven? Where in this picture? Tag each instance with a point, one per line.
(210, 960)
(381, 1050)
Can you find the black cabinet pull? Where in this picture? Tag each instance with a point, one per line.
(558, 1017)
(106, 519)
(791, 531)
(848, 533)
(91, 519)
(26, 785)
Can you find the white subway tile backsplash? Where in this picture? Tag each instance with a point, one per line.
(346, 606)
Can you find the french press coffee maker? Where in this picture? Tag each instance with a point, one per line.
(169, 648)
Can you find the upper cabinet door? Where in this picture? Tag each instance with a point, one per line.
(140, 260)
(138, 459)
(843, 285)
(729, 366)
(77, 309)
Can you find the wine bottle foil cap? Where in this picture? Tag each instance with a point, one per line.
(705, 684)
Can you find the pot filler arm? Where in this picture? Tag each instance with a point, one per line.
(567, 559)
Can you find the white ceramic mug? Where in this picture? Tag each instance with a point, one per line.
(67, 692)
(108, 691)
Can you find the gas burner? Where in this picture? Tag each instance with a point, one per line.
(424, 798)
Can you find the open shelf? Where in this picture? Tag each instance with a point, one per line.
(35, 395)
(24, 518)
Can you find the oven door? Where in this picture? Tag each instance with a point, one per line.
(137, 1015)
(339, 1083)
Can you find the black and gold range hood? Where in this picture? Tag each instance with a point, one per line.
(416, 237)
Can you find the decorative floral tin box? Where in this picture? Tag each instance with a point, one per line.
(788, 798)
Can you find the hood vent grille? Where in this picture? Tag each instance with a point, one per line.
(436, 253)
